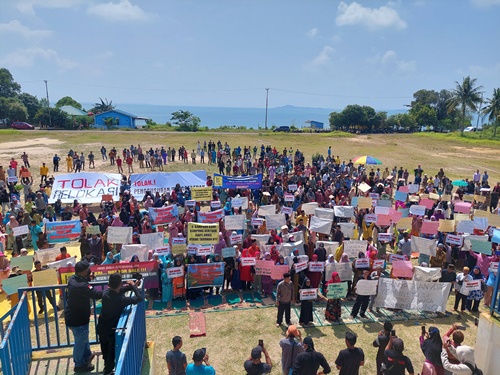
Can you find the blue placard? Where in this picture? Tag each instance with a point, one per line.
(238, 182)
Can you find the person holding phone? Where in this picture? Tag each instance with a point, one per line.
(395, 362)
(254, 364)
(200, 365)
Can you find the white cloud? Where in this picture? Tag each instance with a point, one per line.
(390, 59)
(28, 6)
(356, 14)
(388, 56)
(15, 27)
(486, 3)
(313, 32)
(323, 57)
(27, 57)
(121, 11)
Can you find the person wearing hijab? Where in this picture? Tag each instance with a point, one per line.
(267, 281)
(306, 306)
(221, 244)
(109, 258)
(166, 284)
(134, 259)
(315, 277)
(431, 345)
(333, 308)
(475, 296)
(464, 353)
(461, 292)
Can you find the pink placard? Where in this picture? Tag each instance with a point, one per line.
(404, 189)
(463, 207)
(402, 268)
(429, 227)
(428, 203)
(383, 220)
(396, 216)
(278, 271)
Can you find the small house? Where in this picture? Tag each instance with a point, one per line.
(117, 119)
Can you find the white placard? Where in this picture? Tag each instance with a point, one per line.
(289, 247)
(248, 261)
(288, 197)
(386, 237)
(164, 250)
(46, 256)
(417, 210)
(454, 239)
(379, 210)
(348, 229)
(309, 208)
(366, 287)
(267, 210)
(413, 188)
(301, 266)
(286, 210)
(465, 226)
(62, 263)
(393, 257)
(275, 221)
(370, 218)
(344, 211)
(362, 263)
(240, 202)
(378, 263)
(330, 246)
(292, 187)
(344, 270)
(234, 222)
(423, 246)
(481, 223)
(152, 240)
(235, 238)
(426, 273)
(320, 225)
(174, 272)
(316, 266)
(215, 204)
(19, 231)
(470, 286)
(205, 250)
(354, 247)
(308, 294)
(257, 221)
(120, 235)
(324, 213)
(128, 251)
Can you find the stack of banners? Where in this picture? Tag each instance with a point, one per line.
(178, 245)
(454, 239)
(269, 209)
(423, 246)
(240, 202)
(152, 240)
(119, 235)
(286, 210)
(275, 221)
(25, 263)
(92, 229)
(203, 234)
(278, 270)
(201, 194)
(86, 187)
(324, 213)
(163, 215)
(163, 182)
(308, 294)
(46, 256)
(205, 275)
(469, 238)
(337, 290)
(257, 221)
(412, 295)
(402, 268)
(309, 208)
(234, 222)
(68, 262)
(235, 238)
(320, 225)
(344, 211)
(228, 252)
(366, 287)
(102, 272)
(173, 272)
(316, 266)
(45, 278)
(214, 205)
(12, 284)
(238, 182)
(354, 247)
(263, 267)
(63, 231)
(344, 270)
(128, 251)
(330, 246)
(20, 230)
(210, 217)
(426, 273)
(290, 247)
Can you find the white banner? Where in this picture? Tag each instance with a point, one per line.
(86, 187)
(46, 256)
(19, 231)
(353, 247)
(423, 246)
(320, 225)
(412, 295)
(309, 208)
(163, 182)
(62, 263)
(270, 209)
(330, 246)
(289, 247)
(426, 273)
(324, 213)
(344, 211)
(234, 222)
(152, 240)
(344, 270)
(366, 287)
(128, 251)
(119, 235)
(275, 221)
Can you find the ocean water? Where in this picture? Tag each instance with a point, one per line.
(232, 116)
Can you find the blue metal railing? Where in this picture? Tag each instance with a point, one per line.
(495, 301)
(131, 340)
(15, 348)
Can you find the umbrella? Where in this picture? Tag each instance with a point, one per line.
(366, 160)
(459, 183)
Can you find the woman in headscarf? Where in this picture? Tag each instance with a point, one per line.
(306, 306)
(220, 245)
(134, 259)
(333, 308)
(4, 269)
(315, 277)
(117, 222)
(431, 345)
(178, 283)
(109, 258)
(228, 271)
(166, 284)
(11, 239)
(267, 282)
(474, 298)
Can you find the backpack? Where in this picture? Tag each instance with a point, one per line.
(474, 369)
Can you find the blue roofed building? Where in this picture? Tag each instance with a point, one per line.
(118, 119)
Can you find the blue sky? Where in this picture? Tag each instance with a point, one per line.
(316, 53)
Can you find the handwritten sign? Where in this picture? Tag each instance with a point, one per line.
(92, 229)
(364, 202)
(278, 271)
(174, 272)
(463, 207)
(46, 256)
(354, 247)
(19, 231)
(228, 252)
(45, 278)
(263, 267)
(405, 223)
(379, 210)
(344, 211)
(269, 209)
(63, 263)
(240, 202)
(336, 290)
(366, 287)
(383, 220)
(120, 235)
(316, 266)
(423, 246)
(275, 221)
(465, 226)
(344, 270)
(292, 187)
(234, 222)
(12, 284)
(308, 294)
(309, 208)
(320, 225)
(446, 226)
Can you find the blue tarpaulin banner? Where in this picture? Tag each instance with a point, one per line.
(63, 231)
(238, 182)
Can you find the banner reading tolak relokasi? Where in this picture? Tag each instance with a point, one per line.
(163, 215)
(86, 187)
(63, 231)
(163, 182)
(203, 234)
(238, 182)
(204, 275)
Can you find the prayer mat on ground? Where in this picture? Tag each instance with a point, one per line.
(233, 298)
(197, 324)
(178, 304)
(158, 305)
(215, 300)
(248, 297)
(197, 303)
(257, 298)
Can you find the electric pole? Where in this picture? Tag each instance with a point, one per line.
(48, 102)
(267, 104)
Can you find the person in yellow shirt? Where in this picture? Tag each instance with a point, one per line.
(302, 216)
(44, 171)
(69, 163)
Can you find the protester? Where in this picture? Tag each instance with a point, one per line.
(431, 346)
(395, 362)
(284, 293)
(291, 346)
(254, 365)
(176, 360)
(381, 342)
(351, 359)
(308, 362)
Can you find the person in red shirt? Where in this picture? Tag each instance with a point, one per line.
(13, 164)
(119, 164)
(64, 254)
(129, 162)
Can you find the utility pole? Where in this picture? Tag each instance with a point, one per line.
(267, 105)
(48, 102)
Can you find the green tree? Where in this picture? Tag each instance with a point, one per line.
(31, 103)
(466, 95)
(424, 115)
(17, 111)
(103, 106)
(492, 109)
(185, 121)
(68, 100)
(58, 118)
(402, 123)
(8, 87)
(335, 120)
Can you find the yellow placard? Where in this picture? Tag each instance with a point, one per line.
(494, 220)
(203, 234)
(446, 198)
(481, 213)
(364, 202)
(404, 223)
(178, 249)
(414, 198)
(433, 196)
(480, 198)
(468, 198)
(45, 278)
(201, 194)
(460, 217)
(424, 196)
(446, 225)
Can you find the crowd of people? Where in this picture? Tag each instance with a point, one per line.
(289, 181)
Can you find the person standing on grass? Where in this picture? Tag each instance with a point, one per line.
(308, 362)
(129, 162)
(176, 360)
(55, 162)
(91, 158)
(77, 315)
(284, 294)
(200, 365)
(254, 365)
(351, 359)
(113, 303)
(291, 346)
(119, 164)
(381, 342)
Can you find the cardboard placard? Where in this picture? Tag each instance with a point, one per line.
(308, 294)
(465, 226)
(248, 261)
(405, 223)
(364, 202)
(446, 226)
(12, 284)
(257, 221)
(45, 278)
(423, 246)
(402, 268)
(385, 237)
(417, 210)
(362, 263)
(370, 218)
(278, 271)
(429, 227)
(316, 266)
(228, 252)
(354, 247)
(337, 290)
(454, 239)
(366, 287)
(93, 229)
(20, 230)
(25, 263)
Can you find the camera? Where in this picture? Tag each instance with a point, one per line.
(137, 276)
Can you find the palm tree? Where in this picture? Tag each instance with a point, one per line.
(103, 106)
(492, 109)
(466, 96)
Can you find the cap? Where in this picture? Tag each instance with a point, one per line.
(81, 266)
(440, 245)
(292, 330)
(256, 352)
(198, 355)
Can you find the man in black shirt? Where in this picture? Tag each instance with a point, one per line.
(77, 315)
(308, 362)
(381, 342)
(349, 360)
(254, 366)
(113, 303)
(395, 362)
